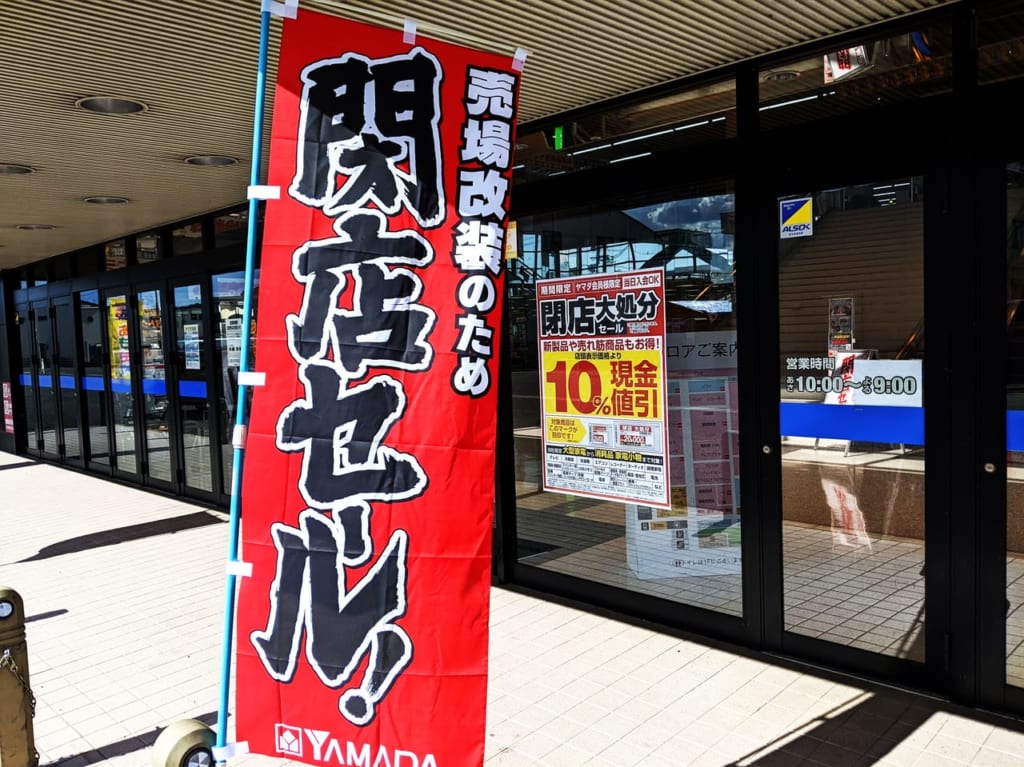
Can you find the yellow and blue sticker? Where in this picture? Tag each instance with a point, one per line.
(796, 218)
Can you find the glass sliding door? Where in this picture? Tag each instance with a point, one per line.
(28, 380)
(1015, 425)
(94, 353)
(47, 379)
(851, 329)
(66, 374)
(122, 412)
(192, 366)
(228, 297)
(155, 426)
(586, 433)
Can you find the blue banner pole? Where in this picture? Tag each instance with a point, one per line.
(240, 412)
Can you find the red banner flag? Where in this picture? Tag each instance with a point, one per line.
(368, 489)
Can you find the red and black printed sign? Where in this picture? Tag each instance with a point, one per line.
(368, 489)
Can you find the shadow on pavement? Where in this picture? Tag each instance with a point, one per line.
(862, 732)
(19, 465)
(122, 747)
(44, 616)
(127, 533)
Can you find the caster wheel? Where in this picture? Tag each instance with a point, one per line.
(185, 743)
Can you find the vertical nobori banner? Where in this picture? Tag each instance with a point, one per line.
(368, 491)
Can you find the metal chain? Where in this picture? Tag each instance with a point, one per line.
(8, 661)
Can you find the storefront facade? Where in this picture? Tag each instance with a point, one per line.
(837, 493)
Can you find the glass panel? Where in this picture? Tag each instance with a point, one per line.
(121, 383)
(115, 255)
(1015, 425)
(28, 380)
(187, 238)
(851, 314)
(154, 386)
(62, 269)
(84, 262)
(194, 408)
(65, 379)
(873, 72)
(147, 248)
(694, 116)
(228, 298)
(230, 229)
(93, 383)
(691, 552)
(47, 379)
(1000, 40)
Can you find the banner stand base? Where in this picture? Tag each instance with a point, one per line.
(184, 743)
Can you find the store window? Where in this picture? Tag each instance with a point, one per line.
(148, 248)
(697, 115)
(115, 255)
(228, 305)
(851, 416)
(187, 238)
(94, 333)
(867, 73)
(1000, 41)
(624, 387)
(1015, 426)
(233, 228)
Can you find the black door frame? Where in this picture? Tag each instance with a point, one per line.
(208, 345)
(988, 407)
(950, 653)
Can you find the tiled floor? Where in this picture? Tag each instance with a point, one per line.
(865, 591)
(124, 592)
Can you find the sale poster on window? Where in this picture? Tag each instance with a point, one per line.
(117, 329)
(8, 408)
(602, 366)
(192, 346)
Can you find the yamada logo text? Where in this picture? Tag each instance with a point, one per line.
(321, 746)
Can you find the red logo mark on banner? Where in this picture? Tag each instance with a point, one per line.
(368, 490)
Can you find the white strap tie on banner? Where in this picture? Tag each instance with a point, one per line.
(238, 436)
(239, 568)
(519, 59)
(228, 750)
(263, 192)
(286, 9)
(409, 32)
(252, 378)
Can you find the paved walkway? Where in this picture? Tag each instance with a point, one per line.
(124, 594)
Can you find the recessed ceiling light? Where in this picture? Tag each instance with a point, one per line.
(111, 105)
(211, 160)
(102, 200)
(782, 74)
(13, 169)
(35, 226)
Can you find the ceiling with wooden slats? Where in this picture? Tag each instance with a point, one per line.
(193, 64)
